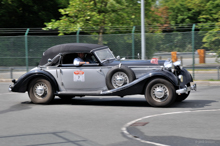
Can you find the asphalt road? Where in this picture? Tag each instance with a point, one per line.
(94, 121)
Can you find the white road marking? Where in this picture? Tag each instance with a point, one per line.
(124, 128)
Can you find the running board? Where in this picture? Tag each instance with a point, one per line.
(78, 93)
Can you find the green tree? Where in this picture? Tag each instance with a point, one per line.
(192, 11)
(99, 13)
(181, 11)
(210, 18)
(211, 15)
(212, 40)
(204, 13)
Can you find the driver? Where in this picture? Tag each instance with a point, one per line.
(80, 59)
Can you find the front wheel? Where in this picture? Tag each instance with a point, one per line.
(41, 91)
(182, 97)
(160, 93)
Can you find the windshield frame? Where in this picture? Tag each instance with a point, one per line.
(58, 56)
(104, 59)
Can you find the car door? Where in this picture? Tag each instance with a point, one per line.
(82, 78)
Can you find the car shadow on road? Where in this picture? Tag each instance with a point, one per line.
(194, 104)
(15, 108)
(131, 102)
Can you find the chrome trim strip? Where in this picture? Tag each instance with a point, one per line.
(150, 67)
(126, 86)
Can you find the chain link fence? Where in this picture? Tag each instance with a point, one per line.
(13, 53)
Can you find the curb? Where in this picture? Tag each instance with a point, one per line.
(5, 80)
(207, 83)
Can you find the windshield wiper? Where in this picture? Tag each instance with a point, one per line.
(108, 60)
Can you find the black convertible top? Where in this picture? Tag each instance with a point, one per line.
(68, 48)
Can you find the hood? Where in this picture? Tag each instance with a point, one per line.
(136, 63)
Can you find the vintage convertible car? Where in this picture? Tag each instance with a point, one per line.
(162, 82)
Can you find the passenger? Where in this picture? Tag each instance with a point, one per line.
(80, 59)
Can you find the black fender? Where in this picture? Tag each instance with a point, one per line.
(21, 85)
(138, 86)
(165, 75)
(187, 78)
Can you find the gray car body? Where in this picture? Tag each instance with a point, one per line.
(62, 77)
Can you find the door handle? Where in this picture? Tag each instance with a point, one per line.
(57, 73)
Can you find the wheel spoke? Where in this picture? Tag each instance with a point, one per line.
(159, 92)
(119, 79)
(40, 90)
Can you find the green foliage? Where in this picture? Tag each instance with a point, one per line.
(212, 17)
(180, 12)
(212, 41)
(206, 13)
(93, 13)
(90, 13)
(29, 13)
(101, 14)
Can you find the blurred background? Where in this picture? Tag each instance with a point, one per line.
(175, 29)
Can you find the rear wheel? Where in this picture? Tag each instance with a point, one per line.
(160, 93)
(41, 91)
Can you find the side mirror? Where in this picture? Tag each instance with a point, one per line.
(138, 55)
(118, 58)
(49, 60)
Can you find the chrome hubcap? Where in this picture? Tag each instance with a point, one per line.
(119, 79)
(160, 92)
(40, 90)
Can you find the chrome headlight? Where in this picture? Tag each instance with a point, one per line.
(181, 78)
(178, 63)
(169, 65)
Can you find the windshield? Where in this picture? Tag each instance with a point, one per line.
(104, 54)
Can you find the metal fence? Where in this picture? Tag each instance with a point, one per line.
(14, 53)
(25, 51)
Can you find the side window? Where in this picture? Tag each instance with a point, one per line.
(90, 58)
(68, 58)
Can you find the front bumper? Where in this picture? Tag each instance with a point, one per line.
(186, 89)
(10, 88)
